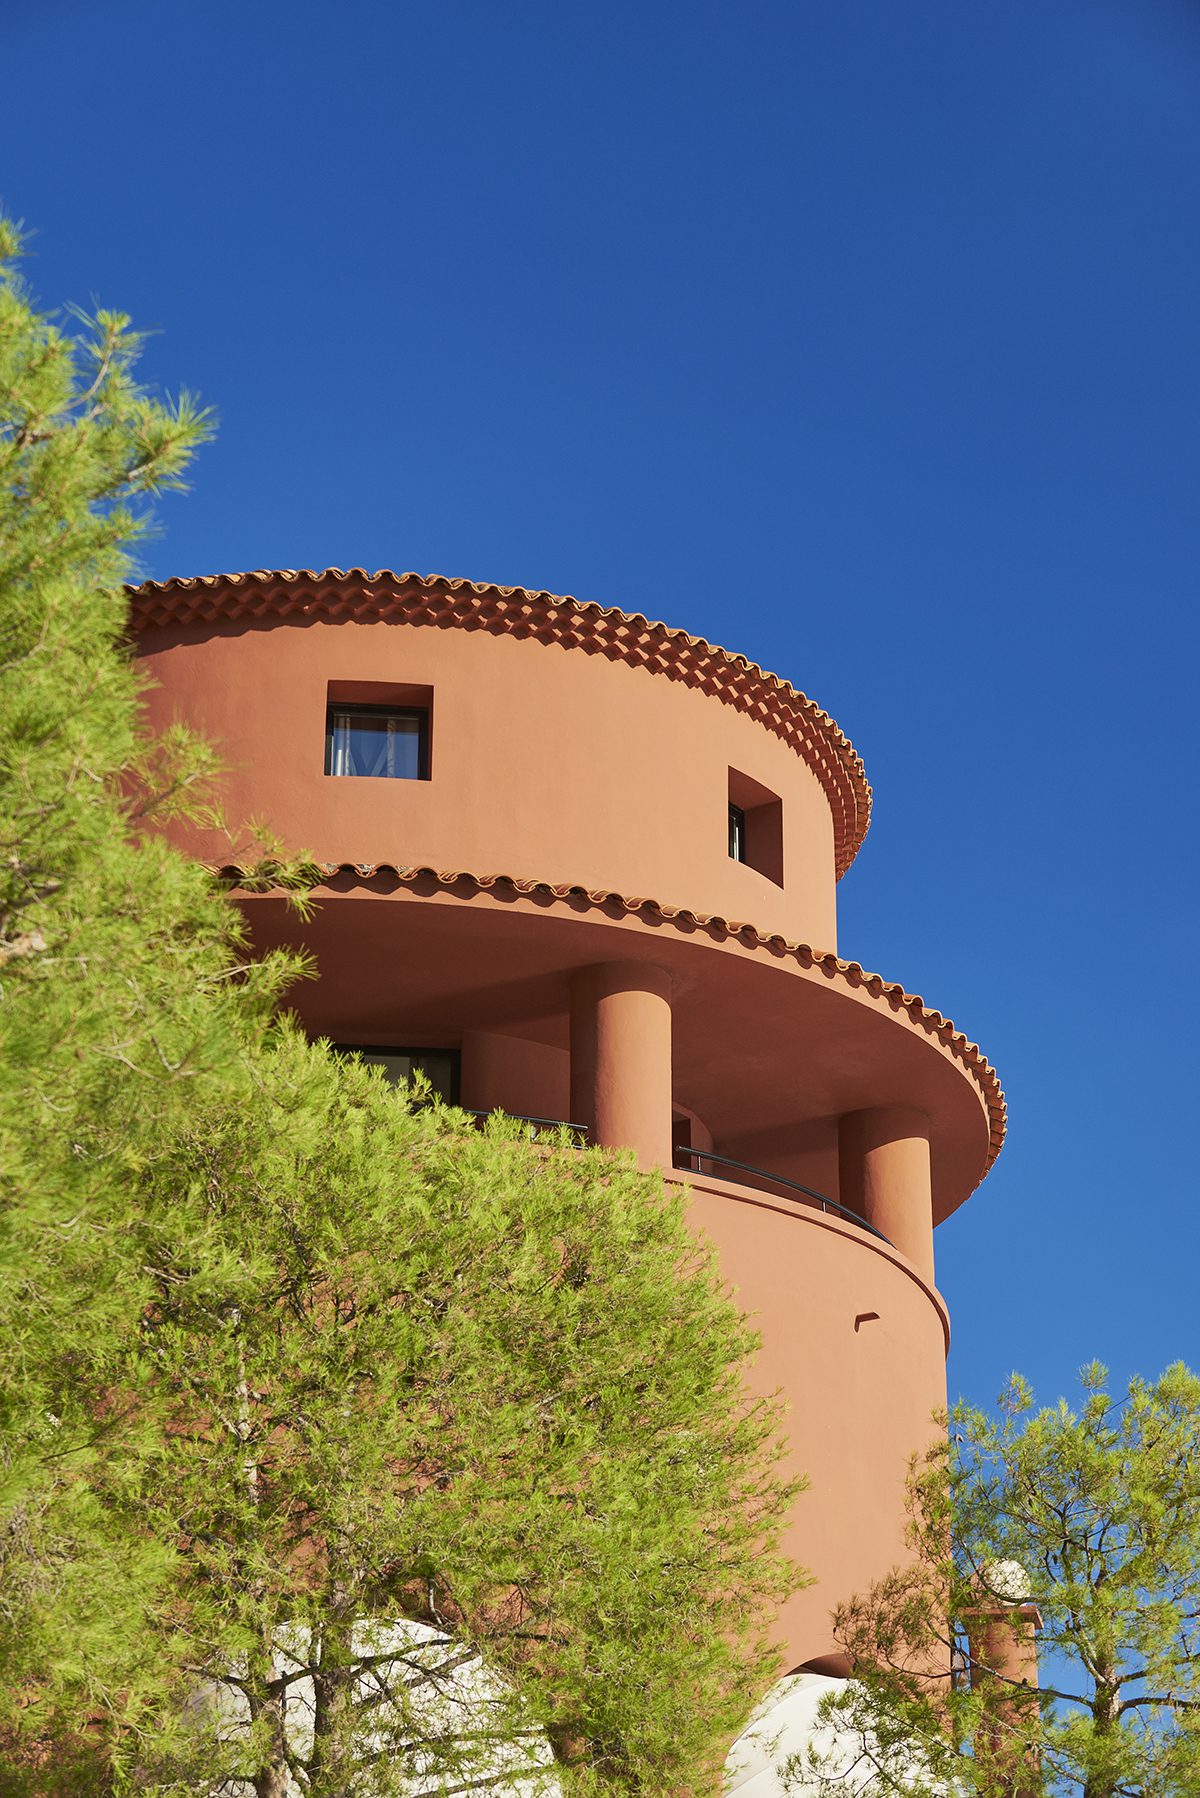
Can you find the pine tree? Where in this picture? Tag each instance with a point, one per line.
(1082, 1524)
(346, 1448)
(411, 1374)
(116, 956)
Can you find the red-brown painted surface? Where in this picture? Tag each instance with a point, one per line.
(546, 763)
(1003, 1641)
(884, 1176)
(557, 903)
(857, 1342)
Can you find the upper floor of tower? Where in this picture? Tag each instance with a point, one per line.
(408, 720)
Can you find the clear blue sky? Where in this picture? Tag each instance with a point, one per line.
(858, 337)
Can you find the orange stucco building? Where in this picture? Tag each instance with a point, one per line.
(581, 866)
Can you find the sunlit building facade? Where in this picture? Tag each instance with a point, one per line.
(582, 867)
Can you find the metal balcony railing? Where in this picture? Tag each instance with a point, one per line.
(518, 1117)
(685, 1158)
(689, 1160)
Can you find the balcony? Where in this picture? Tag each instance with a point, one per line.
(702, 1161)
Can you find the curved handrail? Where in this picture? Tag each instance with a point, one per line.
(519, 1117)
(761, 1173)
(698, 1155)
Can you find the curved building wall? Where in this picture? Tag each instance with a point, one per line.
(546, 763)
(856, 1343)
(558, 764)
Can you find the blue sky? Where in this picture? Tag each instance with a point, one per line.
(860, 338)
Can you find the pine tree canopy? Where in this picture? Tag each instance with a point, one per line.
(346, 1448)
(1077, 1527)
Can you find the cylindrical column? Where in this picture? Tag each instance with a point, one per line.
(621, 1058)
(1003, 1639)
(1004, 1644)
(883, 1165)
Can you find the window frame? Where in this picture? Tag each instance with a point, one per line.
(344, 707)
(737, 833)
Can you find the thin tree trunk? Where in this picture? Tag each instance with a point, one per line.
(331, 1764)
(1104, 1714)
(267, 1701)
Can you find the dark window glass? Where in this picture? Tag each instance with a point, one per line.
(376, 740)
(440, 1066)
(737, 833)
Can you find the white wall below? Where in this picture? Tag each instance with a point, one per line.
(786, 1728)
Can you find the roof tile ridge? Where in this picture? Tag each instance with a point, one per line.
(456, 583)
(853, 803)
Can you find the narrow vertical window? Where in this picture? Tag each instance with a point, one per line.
(737, 834)
(755, 826)
(377, 742)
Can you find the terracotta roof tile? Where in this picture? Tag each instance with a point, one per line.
(853, 973)
(433, 599)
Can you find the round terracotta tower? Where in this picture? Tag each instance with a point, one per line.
(581, 866)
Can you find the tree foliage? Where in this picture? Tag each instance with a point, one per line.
(411, 1371)
(346, 1448)
(116, 957)
(1090, 1514)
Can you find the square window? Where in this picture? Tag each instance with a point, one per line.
(381, 742)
